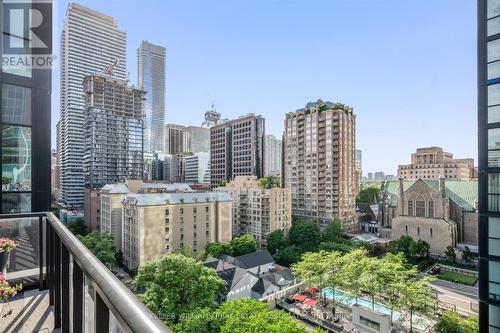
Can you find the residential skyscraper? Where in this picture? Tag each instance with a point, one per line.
(236, 149)
(174, 139)
(90, 43)
(320, 162)
(151, 78)
(489, 164)
(272, 155)
(113, 125)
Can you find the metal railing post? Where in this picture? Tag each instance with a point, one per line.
(40, 252)
(50, 263)
(57, 281)
(77, 298)
(65, 288)
(101, 317)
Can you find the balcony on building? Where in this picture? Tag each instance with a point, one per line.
(65, 287)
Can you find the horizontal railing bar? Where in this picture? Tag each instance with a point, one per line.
(127, 309)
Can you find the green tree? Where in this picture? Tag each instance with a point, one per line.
(393, 272)
(333, 231)
(451, 322)
(370, 194)
(316, 268)
(305, 235)
(467, 255)
(201, 321)
(450, 253)
(101, 246)
(423, 248)
(288, 255)
(77, 227)
(269, 181)
(187, 251)
(351, 271)
(177, 285)
(250, 315)
(276, 240)
(243, 245)
(217, 249)
(404, 244)
(415, 295)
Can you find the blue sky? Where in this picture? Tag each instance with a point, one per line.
(407, 67)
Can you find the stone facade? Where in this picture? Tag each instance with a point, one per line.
(320, 163)
(257, 210)
(159, 223)
(439, 212)
(429, 163)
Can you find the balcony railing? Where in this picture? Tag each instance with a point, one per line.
(83, 293)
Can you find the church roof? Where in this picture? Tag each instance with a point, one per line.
(462, 192)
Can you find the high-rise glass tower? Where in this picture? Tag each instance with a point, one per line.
(151, 78)
(90, 43)
(489, 164)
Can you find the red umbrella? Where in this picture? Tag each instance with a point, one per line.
(310, 302)
(299, 297)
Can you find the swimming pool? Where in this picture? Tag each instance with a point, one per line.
(418, 322)
(351, 300)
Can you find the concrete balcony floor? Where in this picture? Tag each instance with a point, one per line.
(30, 313)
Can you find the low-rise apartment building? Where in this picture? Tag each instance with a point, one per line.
(159, 223)
(258, 210)
(111, 207)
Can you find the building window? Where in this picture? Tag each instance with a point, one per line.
(494, 192)
(494, 236)
(420, 208)
(494, 147)
(431, 232)
(410, 208)
(431, 209)
(16, 158)
(181, 210)
(418, 231)
(16, 105)
(406, 229)
(16, 203)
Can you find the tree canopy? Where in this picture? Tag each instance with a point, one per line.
(305, 235)
(236, 247)
(101, 246)
(177, 285)
(276, 240)
(269, 181)
(77, 227)
(370, 194)
(243, 245)
(451, 322)
(387, 279)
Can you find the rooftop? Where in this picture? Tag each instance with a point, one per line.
(462, 192)
(153, 199)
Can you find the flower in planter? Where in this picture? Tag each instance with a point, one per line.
(7, 291)
(7, 244)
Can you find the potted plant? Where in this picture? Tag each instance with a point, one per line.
(6, 292)
(6, 245)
